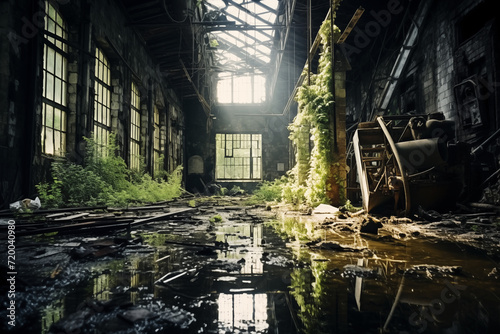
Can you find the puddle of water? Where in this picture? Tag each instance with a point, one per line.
(241, 276)
(385, 288)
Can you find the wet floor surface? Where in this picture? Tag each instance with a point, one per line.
(243, 270)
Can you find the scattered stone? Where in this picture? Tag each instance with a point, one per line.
(494, 273)
(430, 271)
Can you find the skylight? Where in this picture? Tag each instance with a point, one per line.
(241, 33)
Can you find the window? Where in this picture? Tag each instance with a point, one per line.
(102, 103)
(55, 85)
(156, 141)
(135, 128)
(238, 157)
(241, 89)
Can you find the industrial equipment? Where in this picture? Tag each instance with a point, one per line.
(409, 161)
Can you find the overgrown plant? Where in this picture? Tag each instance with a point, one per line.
(104, 179)
(284, 189)
(315, 102)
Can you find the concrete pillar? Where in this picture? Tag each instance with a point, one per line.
(336, 191)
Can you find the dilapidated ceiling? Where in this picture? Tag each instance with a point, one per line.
(197, 42)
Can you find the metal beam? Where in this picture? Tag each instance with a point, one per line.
(403, 56)
(236, 18)
(350, 26)
(206, 107)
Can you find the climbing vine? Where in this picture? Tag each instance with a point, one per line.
(314, 122)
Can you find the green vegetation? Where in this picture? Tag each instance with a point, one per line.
(315, 178)
(104, 179)
(317, 169)
(216, 219)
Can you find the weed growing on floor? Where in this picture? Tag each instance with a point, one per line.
(284, 189)
(104, 179)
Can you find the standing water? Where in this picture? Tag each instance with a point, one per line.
(236, 270)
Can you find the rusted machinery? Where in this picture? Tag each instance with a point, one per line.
(404, 162)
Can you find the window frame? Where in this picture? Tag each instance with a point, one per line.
(54, 103)
(157, 139)
(102, 107)
(230, 154)
(232, 84)
(135, 127)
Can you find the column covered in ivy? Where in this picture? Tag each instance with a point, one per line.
(324, 112)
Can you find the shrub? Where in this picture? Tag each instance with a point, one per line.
(105, 180)
(269, 191)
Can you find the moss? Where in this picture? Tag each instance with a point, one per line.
(216, 219)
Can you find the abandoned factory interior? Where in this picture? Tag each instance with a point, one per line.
(249, 166)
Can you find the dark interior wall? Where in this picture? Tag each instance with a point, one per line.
(20, 23)
(457, 41)
(452, 69)
(90, 24)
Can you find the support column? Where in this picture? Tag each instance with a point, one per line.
(337, 192)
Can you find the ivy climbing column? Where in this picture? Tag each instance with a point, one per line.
(321, 109)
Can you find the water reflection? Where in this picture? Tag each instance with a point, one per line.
(385, 289)
(242, 312)
(252, 285)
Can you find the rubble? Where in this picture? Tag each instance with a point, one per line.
(162, 275)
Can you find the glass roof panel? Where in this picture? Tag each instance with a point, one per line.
(245, 32)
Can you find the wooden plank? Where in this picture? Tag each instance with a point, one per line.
(56, 215)
(73, 227)
(160, 217)
(151, 207)
(72, 217)
(103, 224)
